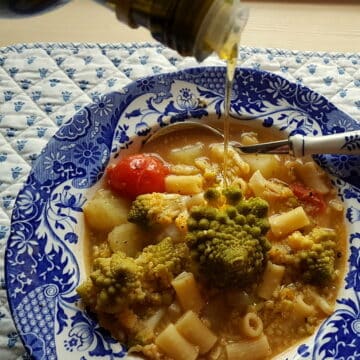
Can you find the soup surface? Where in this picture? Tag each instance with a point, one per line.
(183, 267)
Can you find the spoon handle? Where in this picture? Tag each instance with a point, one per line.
(342, 143)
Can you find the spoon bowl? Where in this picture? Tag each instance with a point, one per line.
(295, 145)
(180, 126)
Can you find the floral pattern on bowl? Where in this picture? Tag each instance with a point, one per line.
(44, 255)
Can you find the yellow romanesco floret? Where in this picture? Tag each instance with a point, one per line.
(311, 256)
(317, 264)
(181, 221)
(113, 283)
(156, 209)
(120, 282)
(162, 261)
(297, 241)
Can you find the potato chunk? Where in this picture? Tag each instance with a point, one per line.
(105, 211)
(186, 154)
(268, 164)
(127, 238)
(288, 222)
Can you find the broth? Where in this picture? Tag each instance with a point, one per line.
(294, 308)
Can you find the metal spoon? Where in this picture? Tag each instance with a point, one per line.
(296, 145)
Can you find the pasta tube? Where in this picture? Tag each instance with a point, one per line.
(176, 346)
(184, 184)
(195, 331)
(251, 325)
(271, 280)
(301, 309)
(320, 302)
(188, 292)
(249, 349)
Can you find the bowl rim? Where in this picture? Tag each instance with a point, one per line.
(129, 87)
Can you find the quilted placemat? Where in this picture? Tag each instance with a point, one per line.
(43, 85)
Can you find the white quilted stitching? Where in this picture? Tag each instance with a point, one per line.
(42, 85)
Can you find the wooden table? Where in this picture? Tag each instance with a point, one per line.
(314, 25)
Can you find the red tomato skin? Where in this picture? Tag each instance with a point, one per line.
(311, 198)
(137, 174)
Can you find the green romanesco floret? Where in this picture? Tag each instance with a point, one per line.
(233, 195)
(213, 196)
(153, 209)
(228, 244)
(120, 282)
(162, 262)
(314, 256)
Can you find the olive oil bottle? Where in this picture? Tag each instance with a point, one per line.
(191, 27)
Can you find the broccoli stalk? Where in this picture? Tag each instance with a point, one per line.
(228, 244)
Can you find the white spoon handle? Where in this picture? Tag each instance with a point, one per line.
(343, 143)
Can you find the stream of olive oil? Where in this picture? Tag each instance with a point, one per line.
(229, 54)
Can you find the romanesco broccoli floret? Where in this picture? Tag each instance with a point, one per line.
(153, 209)
(228, 244)
(113, 283)
(163, 261)
(120, 281)
(316, 262)
(212, 195)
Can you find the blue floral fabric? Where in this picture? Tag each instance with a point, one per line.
(43, 85)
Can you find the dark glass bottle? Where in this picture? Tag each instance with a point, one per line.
(31, 6)
(191, 27)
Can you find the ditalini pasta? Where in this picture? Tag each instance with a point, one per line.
(271, 280)
(184, 184)
(175, 345)
(195, 331)
(301, 308)
(249, 349)
(187, 292)
(193, 260)
(321, 303)
(251, 325)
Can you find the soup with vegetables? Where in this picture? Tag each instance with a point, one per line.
(183, 267)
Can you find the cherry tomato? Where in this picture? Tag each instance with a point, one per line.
(137, 174)
(313, 200)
